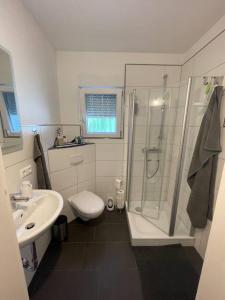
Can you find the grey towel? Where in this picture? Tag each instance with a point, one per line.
(202, 172)
(39, 158)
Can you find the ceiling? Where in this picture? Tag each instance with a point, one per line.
(160, 26)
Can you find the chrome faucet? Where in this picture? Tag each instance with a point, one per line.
(17, 197)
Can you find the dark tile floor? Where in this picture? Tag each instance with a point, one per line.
(98, 263)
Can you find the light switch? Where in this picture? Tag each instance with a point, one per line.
(25, 171)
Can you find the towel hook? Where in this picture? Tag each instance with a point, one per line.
(34, 131)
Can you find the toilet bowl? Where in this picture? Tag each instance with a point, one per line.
(87, 205)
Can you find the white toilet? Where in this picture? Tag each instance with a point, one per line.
(87, 205)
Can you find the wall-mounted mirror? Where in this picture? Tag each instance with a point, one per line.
(10, 127)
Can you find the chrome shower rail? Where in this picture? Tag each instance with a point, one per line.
(132, 97)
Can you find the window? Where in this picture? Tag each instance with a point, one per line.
(9, 115)
(101, 112)
(13, 118)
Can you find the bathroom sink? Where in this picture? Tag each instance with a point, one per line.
(35, 216)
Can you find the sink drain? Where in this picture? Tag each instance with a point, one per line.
(30, 225)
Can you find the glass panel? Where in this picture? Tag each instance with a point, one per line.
(158, 150)
(139, 136)
(177, 144)
(151, 193)
(157, 140)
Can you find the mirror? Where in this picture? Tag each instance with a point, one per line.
(10, 126)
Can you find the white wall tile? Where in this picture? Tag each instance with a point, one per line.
(109, 168)
(138, 153)
(136, 184)
(64, 178)
(109, 152)
(67, 209)
(138, 168)
(87, 151)
(59, 159)
(88, 185)
(85, 172)
(139, 134)
(105, 184)
(71, 131)
(13, 175)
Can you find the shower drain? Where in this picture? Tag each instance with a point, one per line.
(138, 209)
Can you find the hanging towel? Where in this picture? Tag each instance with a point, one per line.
(202, 172)
(39, 158)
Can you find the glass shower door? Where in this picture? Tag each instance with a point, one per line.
(157, 157)
(139, 98)
(150, 187)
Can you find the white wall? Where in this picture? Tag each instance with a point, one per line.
(210, 61)
(34, 65)
(96, 68)
(100, 69)
(211, 285)
(5, 71)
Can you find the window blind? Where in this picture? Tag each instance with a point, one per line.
(100, 105)
(12, 115)
(10, 102)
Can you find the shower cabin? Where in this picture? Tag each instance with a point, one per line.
(163, 123)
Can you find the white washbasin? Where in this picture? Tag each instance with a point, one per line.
(40, 211)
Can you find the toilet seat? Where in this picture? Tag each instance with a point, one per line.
(87, 205)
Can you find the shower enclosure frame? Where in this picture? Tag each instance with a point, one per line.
(180, 165)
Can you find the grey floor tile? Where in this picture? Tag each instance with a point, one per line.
(66, 285)
(81, 233)
(112, 232)
(64, 256)
(109, 256)
(115, 217)
(120, 285)
(98, 263)
(194, 258)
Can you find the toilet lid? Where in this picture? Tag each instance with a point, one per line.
(87, 202)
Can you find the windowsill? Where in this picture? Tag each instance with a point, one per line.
(103, 138)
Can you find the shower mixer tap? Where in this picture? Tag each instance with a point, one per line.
(151, 150)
